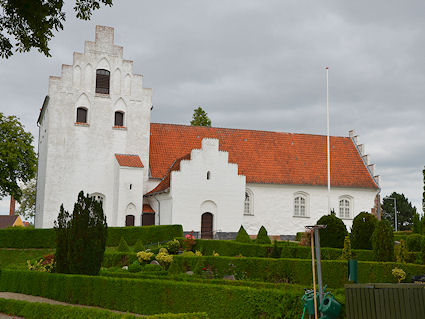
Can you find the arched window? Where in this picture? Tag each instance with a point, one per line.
(345, 207)
(102, 81)
(98, 197)
(301, 204)
(119, 118)
(208, 175)
(81, 115)
(248, 208)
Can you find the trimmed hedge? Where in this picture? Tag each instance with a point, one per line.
(36, 310)
(46, 238)
(137, 296)
(414, 241)
(296, 271)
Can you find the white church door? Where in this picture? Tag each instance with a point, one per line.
(207, 226)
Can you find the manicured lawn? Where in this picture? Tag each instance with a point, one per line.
(17, 258)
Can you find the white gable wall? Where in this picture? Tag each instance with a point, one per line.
(193, 194)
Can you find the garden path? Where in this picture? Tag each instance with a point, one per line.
(29, 298)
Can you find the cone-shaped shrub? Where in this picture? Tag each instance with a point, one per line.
(334, 234)
(242, 236)
(383, 241)
(138, 246)
(262, 237)
(123, 246)
(346, 251)
(363, 226)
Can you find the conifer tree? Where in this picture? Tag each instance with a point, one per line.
(262, 237)
(243, 236)
(200, 118)
(123, 246)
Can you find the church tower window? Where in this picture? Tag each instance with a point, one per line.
(102, 81)
(119, 118)
(81, 115)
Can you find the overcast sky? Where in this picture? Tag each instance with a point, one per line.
(261, 65)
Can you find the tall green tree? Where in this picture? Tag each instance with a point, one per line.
(405, 211)
(17, 157)
(200, 118)
(361, 232)
(27, 24)
(27, 201)
(81, 237)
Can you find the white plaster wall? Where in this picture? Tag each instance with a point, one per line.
(82, 157)
(192, 194)
(274, 207)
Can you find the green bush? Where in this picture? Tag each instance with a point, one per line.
(123, 246)
(135, 295)
(19, 237)
(81, 237)
(346, 251)
(135, 267)
(36, 310)
(232, 248)
(299, 236)
(262, 237)
(173, 246)
(401, 252)
(361, 232)
(414, 242)
(138, 246)
(276, 251)
(242, 236)
(422, 253)
(383, 241)
(333, 235)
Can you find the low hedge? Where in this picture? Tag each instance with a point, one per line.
(137, 296)
(414, 241)
(46, 238)
(36, 310)
(296, 271)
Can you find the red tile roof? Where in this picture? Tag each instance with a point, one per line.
(129, 160)
(147, 209)
(7, 220)
(262, 156)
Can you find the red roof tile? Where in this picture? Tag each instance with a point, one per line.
(129, 160)
(262, 156)
(147, 209)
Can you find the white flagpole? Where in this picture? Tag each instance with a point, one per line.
(327, 140)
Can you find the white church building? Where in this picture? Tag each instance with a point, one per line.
(95, 135)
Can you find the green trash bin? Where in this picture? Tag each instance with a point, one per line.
(330, 308)
(352, 270)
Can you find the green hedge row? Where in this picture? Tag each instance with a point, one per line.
(296, 271)
(414, 241)
(46, 238)
(36, 310)
(156, 296)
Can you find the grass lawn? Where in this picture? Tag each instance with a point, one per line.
(17, 258)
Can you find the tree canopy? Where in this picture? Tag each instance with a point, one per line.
(200, 118)
(27, 24)
(405, 211)
(27, 201)
(17, 157)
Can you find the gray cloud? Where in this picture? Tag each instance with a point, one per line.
(260, 65)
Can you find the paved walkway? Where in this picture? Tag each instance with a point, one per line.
(29, 298)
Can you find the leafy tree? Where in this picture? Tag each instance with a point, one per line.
(405, 211)
(200, 118)
(81, 237)
(334, 234)
(123, 246)
(31, 23)
(362, 230)
(418, 222)
(17, 156)
(243, 236)
(383, 241)
(27, 201)
(262, 237)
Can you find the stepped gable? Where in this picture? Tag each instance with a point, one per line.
(263, 156)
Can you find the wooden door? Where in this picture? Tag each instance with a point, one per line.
(207, 226)
(148, 219)
(129, 220)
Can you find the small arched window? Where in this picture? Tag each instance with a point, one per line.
(344, 208)
(119, 118)
(208, 175)
(81, 115)
(98, 197)
(248, 208)
(301, 204)
(102, 81)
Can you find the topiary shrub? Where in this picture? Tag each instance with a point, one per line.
(138, 246)
(81, 237)
(262, 237)
(275, 250)
(173, 246)
(414, 242)
(135, 267)
(242, 236)
(383, 241)
(123, 247)
(334, 234)
(346, 251)
(361, 232)
(401, 252)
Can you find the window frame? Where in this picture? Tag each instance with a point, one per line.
(83, 108)
(297, 206)
(250, 203)
(346, 199)
(103, 76)
(123, 118)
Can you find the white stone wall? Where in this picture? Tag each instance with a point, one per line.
(193, 194)
(81, 157)
(274, 206)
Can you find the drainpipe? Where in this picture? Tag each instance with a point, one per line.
(159, 210)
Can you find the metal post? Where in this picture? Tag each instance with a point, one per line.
(319, 264)
(327, 141)
(395, 213)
